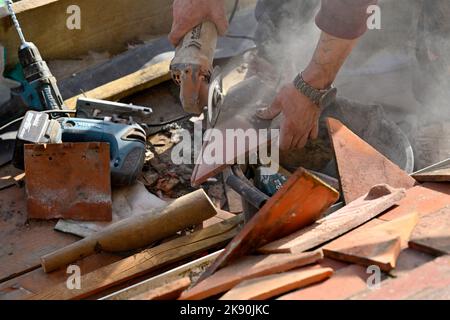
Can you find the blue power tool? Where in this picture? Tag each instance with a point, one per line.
(40, 92)
(127, 142)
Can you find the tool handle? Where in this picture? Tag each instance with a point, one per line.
(50, 100)
(138, 231)
(198, 46)
(192, 66)
(69, 254)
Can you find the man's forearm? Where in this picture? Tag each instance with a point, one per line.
(330, 55)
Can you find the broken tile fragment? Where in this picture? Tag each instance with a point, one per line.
(343, 284)
(379, 245)
(267, 287)
(248, 268)
(360, 166)
(358, 212)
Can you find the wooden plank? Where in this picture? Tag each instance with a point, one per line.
(170, 291)
(299, 203)
(145, 262)
(191, 269)
(423, 199)
(430, 281)
(267, 287)
(432, 233)
(28, 284)
(221, 216)
(248, 268)
(440, 175)
(360, 166)
(128, 85)
(439, 172)
(23, 241)
(348, 218)
(108, 27)
(342, 285)
(379, 245)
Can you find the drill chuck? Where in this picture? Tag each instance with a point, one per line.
(39, 76)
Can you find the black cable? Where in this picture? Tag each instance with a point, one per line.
(162, 124)
(235, 36)
(233, 12)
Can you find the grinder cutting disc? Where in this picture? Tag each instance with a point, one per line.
(215, 97)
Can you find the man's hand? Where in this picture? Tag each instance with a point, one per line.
(300, 120)
(187, 14)
(300, 117)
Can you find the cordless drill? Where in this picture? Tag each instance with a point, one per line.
(45, 94)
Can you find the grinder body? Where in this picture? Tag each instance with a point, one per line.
(192, 66)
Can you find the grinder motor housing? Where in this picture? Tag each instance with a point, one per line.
(192, 66)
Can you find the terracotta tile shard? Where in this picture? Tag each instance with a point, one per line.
(430, 281)
(360, 166)
(274, 285)
(300, 202)
(237, 116)
(379, 245)
(432, 233)
(424, 199)
(379, 199)
(408, 260)
(69, 181)
(170, 291)
(343, 284)
(248, 268)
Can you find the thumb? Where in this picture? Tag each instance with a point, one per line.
(314, 131)
(219, 18)
(175, 34)
(271, 112)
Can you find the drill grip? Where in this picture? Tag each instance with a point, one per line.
(49, 99)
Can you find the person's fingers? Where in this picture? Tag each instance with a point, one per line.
(286, 142)
(220, 19)
(271, 112)
(302, 141)
(176, 34)
(315, 131)
(286, 136)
